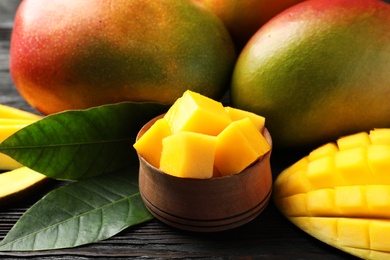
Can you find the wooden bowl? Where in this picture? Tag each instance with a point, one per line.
(206, 205)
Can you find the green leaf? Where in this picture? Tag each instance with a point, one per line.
(82, 212)
(78, 144)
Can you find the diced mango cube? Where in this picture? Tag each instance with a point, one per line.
(188, 155)
(237, 114)
(353, 232)
(294, 183)
(198, 113)
(380, 136)
(351, 200)
(239, 145)
(170, 115)
(322, 173)
(301, 164)
(379, 231)
(353, 167)
(352, 141)
(321, 202)
(149, 145)
(322, 151)
(294, 205)
(378, 200)
(378, 159)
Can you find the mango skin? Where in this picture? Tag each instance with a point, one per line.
(318, 71)
(244, 17)
(77, 54)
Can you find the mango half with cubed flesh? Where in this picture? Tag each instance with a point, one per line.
(200, 138)
(340, 194)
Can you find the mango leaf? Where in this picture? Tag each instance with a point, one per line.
(79, 213)
(79, 144)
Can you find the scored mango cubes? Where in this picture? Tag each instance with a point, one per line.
(200, 138)
(340, 193)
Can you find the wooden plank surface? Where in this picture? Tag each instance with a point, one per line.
(270, 236)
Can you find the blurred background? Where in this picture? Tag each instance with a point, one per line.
(7, 11)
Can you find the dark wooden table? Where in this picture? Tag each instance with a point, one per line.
(269, 236)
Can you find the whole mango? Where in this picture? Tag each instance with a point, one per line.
(77, 54)
(318, 71)
(244, 17)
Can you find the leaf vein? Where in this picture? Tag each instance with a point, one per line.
(33, 234)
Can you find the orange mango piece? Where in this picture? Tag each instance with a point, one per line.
(238, 114)
(238, 146)
(199, 114)
(188, 155)
(149, 145)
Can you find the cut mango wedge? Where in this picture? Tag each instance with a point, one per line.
(14, 113)
(11, 121)
(340, 194)
(18, 180)
(17, 183)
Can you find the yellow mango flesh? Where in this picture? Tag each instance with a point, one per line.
(352, 141)
(238, 114)
(340, 194)
(18, 179)
(153, 137)
(380, 136)
(237, 140)
(7, 163)
(6, 130)
(9, 126)
(172, 112)
(14, 113)
(322, 151)
(16, 121)
(238, 146)
(199, 114)
(188, 155)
